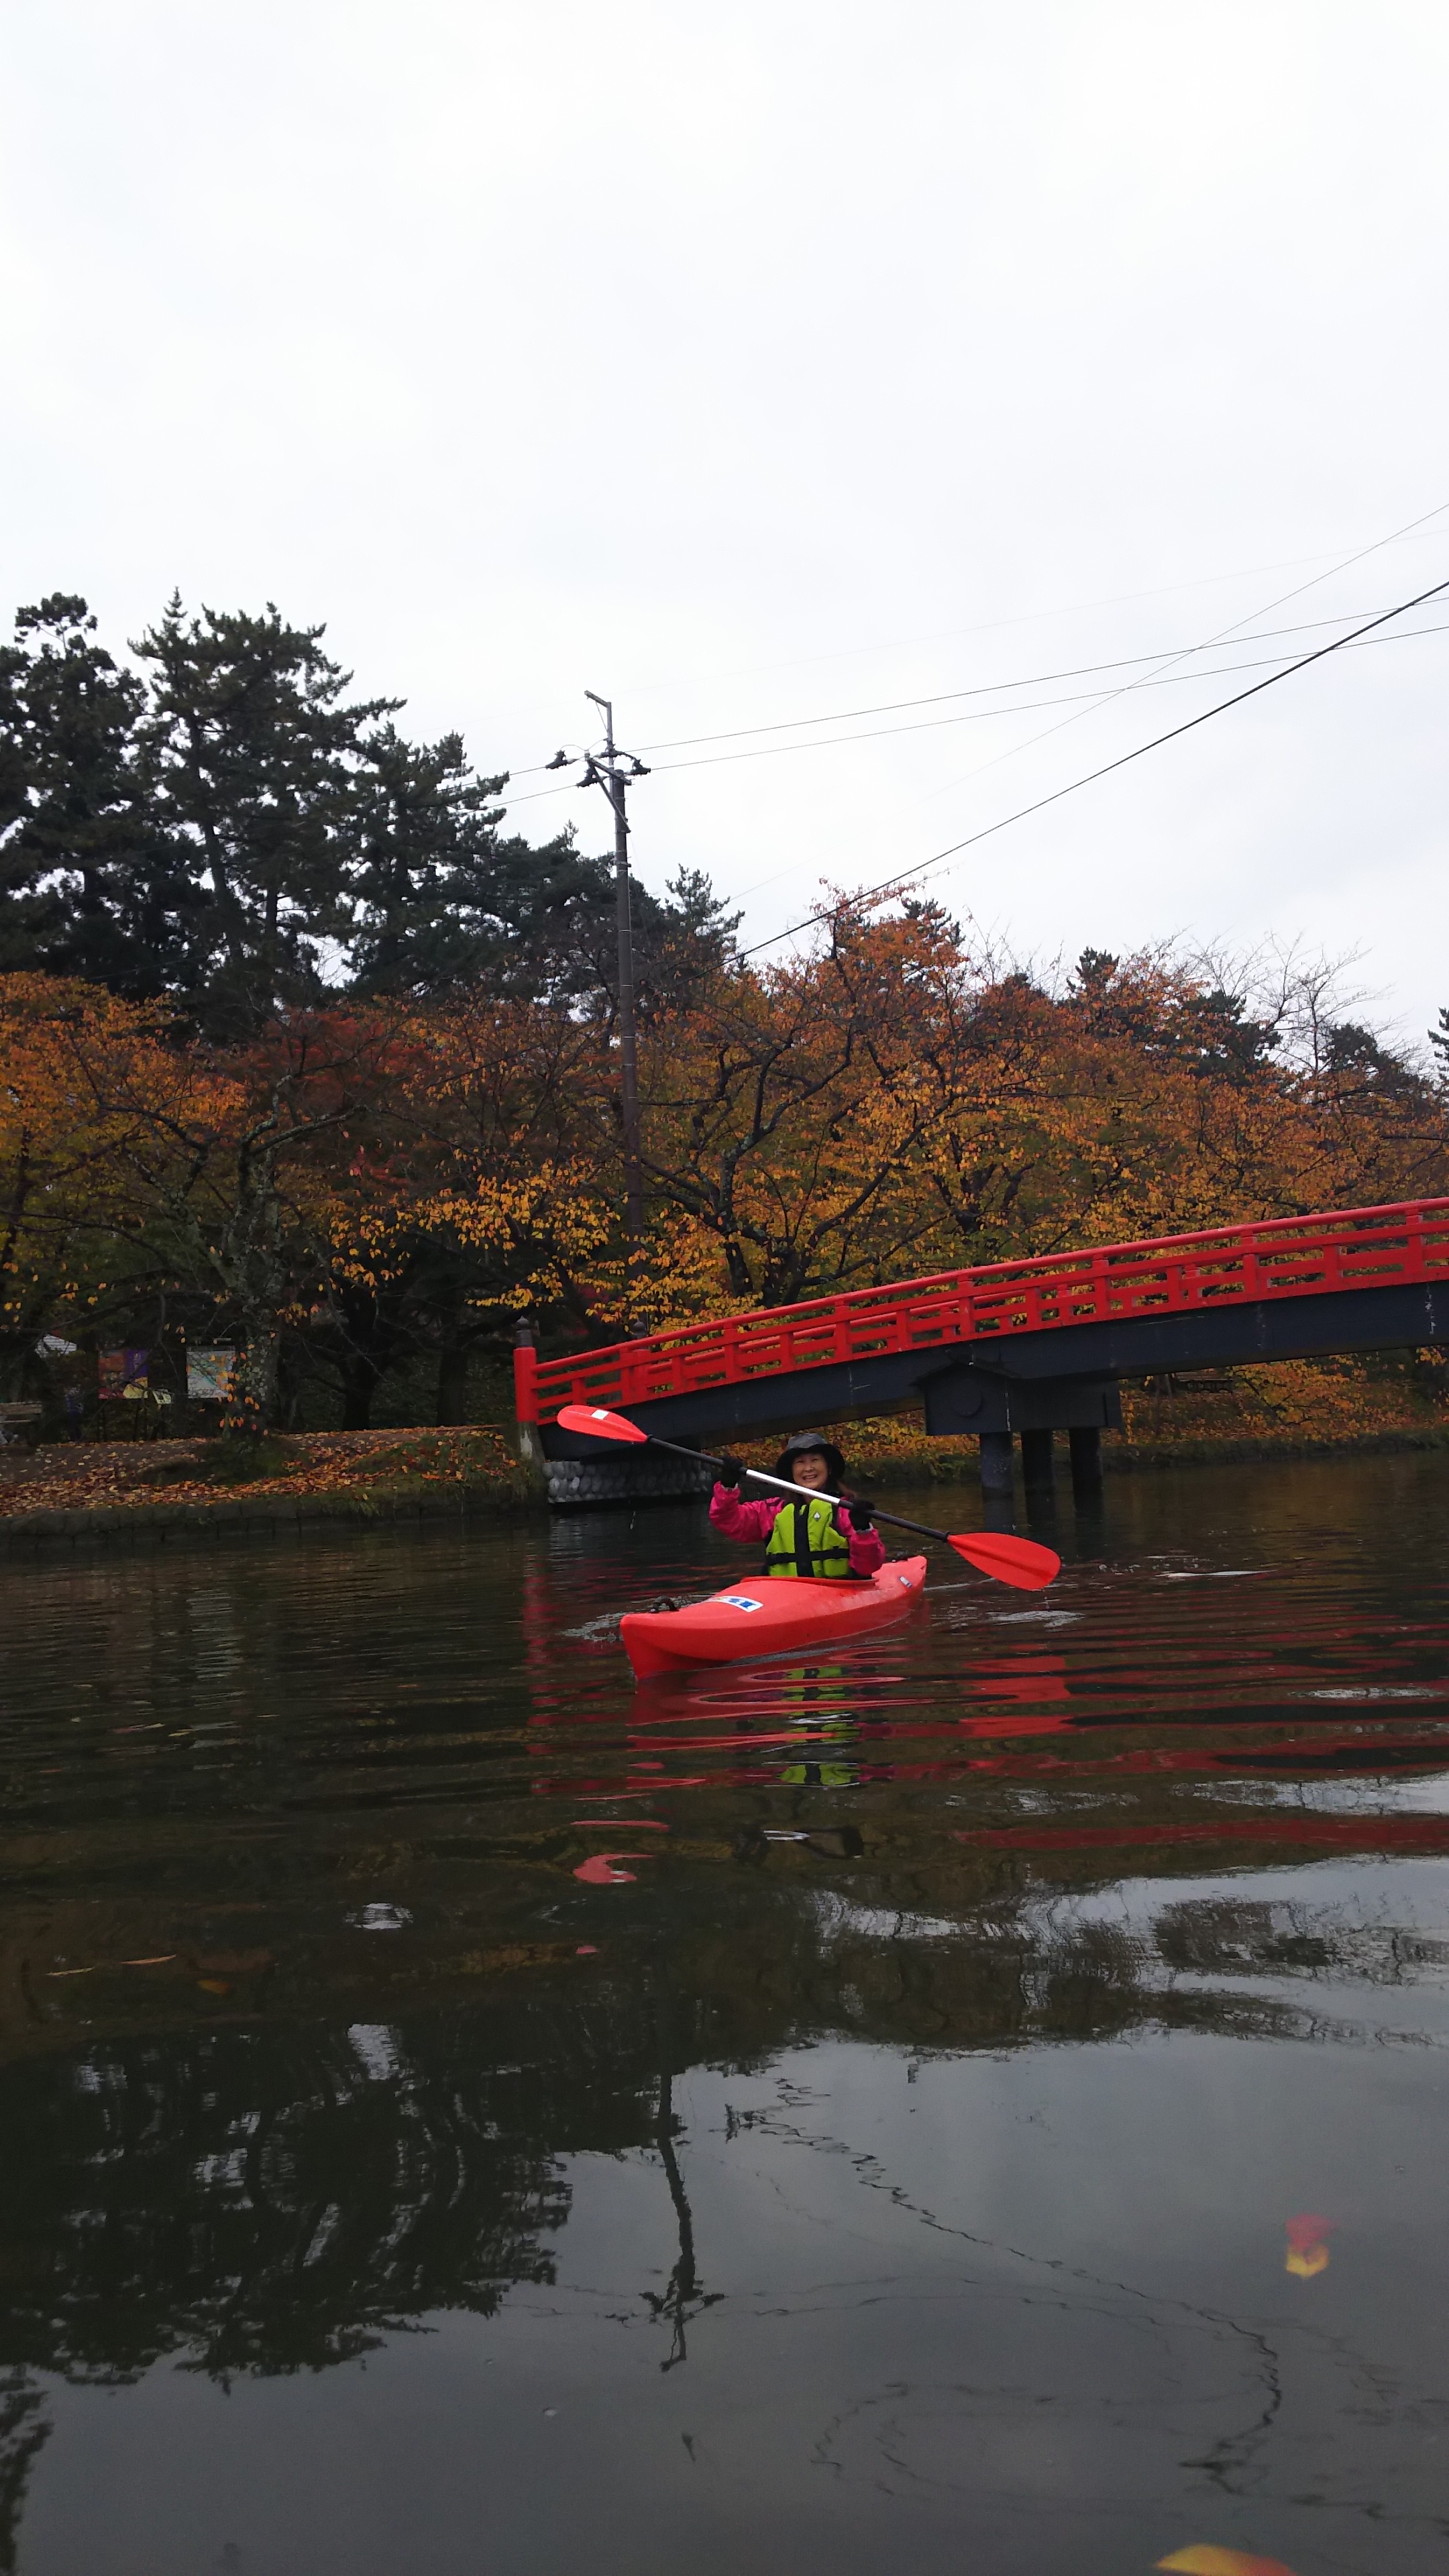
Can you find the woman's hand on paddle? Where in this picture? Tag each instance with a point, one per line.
(861, 1516)
(1018, 1561)
(731, 1474)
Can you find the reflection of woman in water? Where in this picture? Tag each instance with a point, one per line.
(813, 1539)
(813, 1700)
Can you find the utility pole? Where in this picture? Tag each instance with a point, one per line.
(610, 772)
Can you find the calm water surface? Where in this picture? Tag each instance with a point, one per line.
(882, 2160)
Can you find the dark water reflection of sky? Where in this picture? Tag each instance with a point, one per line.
(378, 2195)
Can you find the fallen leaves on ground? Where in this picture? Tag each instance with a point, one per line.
(102, 1475)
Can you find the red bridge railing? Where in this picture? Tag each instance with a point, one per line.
(1311, 1256)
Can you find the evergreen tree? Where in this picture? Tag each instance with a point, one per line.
(445, 904)
(681, 943)
(24, 910)
(252, 755)
(91, 883)
(225, 827)
(1354, 1057)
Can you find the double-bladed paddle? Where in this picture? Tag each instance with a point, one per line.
(1011, 1560)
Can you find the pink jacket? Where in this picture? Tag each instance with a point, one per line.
(736, 1519)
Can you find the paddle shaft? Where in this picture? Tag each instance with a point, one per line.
(758, 1477)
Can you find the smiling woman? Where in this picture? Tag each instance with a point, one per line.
(1022, 1562)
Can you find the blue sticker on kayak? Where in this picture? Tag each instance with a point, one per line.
(905, 1579)
(738, 1601)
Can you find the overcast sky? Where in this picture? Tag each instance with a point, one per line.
(761, 361)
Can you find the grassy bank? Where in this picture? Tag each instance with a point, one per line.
(124, 1490)
(127, 1489)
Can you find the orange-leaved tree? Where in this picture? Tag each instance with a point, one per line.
(205, 1166)
(71, 1219)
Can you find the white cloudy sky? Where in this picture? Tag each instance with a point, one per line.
(764, 360)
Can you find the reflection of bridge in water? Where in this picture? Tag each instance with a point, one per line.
(1014, 1349)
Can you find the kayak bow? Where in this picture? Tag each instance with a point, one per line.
(769, 1616)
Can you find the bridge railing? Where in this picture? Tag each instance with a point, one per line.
(1280, 1257)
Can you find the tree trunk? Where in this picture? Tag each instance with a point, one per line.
(360, 1377)
(453, 1383)
(253, 1405)
(289, 1397)
(251, 1261)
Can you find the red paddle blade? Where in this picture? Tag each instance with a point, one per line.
(1011, 1560)
(598, 1424)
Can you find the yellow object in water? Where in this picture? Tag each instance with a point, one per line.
(1307, 2251)
(1205, 2559)
(1305, 2260)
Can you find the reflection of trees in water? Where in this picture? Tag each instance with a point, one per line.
(683, 2299)
(271, 2197)
(276, 2200)
(270, 2200)
(24, 2428)
(882, 1958)
(274, 2197)
(1242, 1936)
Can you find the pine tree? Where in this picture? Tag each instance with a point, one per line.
(448, 905)
(91, 883)
(253, 756)
(444, 904)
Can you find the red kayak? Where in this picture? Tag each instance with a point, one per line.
(772, 1615)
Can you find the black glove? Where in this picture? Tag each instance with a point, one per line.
(731, 1474)
(860, 1514)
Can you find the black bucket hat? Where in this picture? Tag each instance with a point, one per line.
(795, 1448)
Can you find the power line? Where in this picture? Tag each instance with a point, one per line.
(888, 885)
(1130, 687)
(985, 688)
(939, 698)
(1039, 616)
(1086, 698)
(980, 715)
(1167, 658)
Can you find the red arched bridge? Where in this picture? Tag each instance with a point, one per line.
(1014, 1347)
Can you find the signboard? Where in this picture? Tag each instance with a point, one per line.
(122, 1374)
(210, 1375)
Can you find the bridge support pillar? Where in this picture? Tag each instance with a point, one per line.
(1086, 1448)
(1036, 1459)
(996, 1462)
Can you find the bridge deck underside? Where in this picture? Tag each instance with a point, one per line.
(1050, 1380)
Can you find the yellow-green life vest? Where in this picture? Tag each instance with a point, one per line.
(805, 1541)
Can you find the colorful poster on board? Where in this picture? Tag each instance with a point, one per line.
(210, 1376)
(122, 1373)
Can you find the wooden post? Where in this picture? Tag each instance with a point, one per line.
(996, 1462)
(1036, 1458)
(1086, 1449)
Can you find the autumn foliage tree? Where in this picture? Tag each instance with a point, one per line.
(304, 1052)
(367, 1182)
